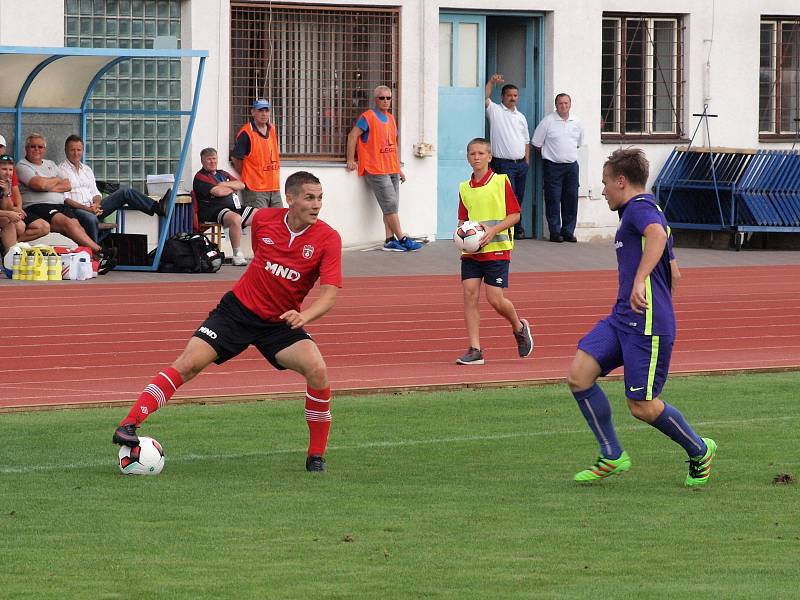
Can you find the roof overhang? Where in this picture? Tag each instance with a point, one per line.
(62, 78)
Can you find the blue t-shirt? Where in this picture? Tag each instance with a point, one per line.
(364, 126)
(659, 318)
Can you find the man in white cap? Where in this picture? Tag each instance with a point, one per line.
(255, 157)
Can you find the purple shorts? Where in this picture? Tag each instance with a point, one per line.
(646, 357)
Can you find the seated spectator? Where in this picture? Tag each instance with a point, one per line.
(218, 201)
(90, 208)
(43, 185)
(10, 220)
(9, 189)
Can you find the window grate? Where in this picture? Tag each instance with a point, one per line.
(641, 76)
(317, 65)
(779, 77)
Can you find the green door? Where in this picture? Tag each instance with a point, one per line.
(462, 77)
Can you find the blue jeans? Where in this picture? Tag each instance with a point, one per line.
(130, 197)
(561, 197)
(517, 171)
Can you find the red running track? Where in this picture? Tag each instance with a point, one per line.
(102, 343)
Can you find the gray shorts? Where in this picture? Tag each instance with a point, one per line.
(387, 191)
(261, 199)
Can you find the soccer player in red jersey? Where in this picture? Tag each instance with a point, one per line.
(292, 249)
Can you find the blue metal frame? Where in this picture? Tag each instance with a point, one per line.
(118, 55)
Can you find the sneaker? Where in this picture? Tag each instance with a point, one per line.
(106, 260)
(472, 356)
(605, 467)
(700, 466)
(315, 464)
(160, 207)
(524, 339)
(394, 246)
(409, 244)
(125, 435)
(239, 260)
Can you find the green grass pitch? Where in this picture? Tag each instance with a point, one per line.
(453, 495)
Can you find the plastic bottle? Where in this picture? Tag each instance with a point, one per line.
(29, 264)
(53, 267)
(23, 268)
(82, 269)
(15, 270)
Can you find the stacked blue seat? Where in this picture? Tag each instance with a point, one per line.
(737, 190)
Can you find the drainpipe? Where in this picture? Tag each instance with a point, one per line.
(422, 149)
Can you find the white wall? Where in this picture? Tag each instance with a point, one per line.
(348, 205)
(571, 61)
(32, 23)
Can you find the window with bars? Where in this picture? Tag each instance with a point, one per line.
(317, 64)
(642, 76)
(126, 148)
(779, 77)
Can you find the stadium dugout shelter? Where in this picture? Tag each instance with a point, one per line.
(60, 81)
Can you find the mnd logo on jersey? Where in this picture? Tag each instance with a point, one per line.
(281, 271)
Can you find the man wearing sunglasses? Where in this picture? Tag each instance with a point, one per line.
(11, 199)
(43, 186)
(375, 136)
(255, 156)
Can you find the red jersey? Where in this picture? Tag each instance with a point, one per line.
(512, 206)
(286, 265)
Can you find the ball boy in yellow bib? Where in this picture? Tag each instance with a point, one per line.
(488, 198)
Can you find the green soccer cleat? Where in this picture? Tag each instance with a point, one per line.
(604, 467)
(700, 466)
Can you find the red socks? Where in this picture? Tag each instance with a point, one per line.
(166, 383)
(318, 417)
(154, 396)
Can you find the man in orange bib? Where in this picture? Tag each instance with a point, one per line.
(255, 157)
(375, 136)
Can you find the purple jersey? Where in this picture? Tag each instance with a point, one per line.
(659, 318)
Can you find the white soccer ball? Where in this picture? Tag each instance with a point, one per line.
(145, 459)
(468, 236)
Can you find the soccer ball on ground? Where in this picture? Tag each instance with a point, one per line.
(145, 459)
(468, 236)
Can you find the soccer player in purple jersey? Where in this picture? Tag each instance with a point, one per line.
(640, 330)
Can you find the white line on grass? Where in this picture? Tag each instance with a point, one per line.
(89, 464)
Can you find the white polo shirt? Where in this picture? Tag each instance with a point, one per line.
(559, 138)
(509, 131)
